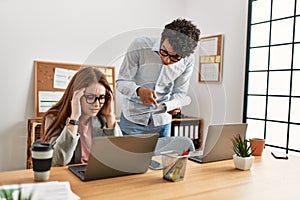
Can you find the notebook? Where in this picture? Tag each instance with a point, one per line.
(218, 145)
(117, 156)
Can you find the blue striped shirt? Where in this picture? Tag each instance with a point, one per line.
(142, 66)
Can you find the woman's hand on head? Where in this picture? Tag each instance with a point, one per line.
(108, 111)
(108, 108)
(76, 104)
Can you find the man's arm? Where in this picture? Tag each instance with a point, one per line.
(125, 83)
(181, 84)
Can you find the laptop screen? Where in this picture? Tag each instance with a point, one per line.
(218, 144)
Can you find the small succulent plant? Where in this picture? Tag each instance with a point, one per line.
(241, 146)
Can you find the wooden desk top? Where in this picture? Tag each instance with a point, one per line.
(268, 178)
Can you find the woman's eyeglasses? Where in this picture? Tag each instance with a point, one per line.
(91, 98)
(173, 58)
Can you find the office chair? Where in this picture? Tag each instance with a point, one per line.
(174, 143)
(190, 127)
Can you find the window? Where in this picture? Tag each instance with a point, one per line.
(272, 82)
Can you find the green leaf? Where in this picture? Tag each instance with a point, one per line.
(241, 146)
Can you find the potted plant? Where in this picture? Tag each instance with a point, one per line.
(242, 158)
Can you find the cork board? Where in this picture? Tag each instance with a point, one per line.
(210, 58)
(44, 77)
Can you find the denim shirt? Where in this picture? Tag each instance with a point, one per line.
(142, 66)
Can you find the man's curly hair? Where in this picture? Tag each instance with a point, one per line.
(182, 35)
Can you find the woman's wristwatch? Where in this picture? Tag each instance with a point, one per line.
(71, 122)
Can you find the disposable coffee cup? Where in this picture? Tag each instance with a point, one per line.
(41, 159)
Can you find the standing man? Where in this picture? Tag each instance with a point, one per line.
(156, 70)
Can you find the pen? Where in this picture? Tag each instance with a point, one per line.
(174, 172)
(186, 152)
(179, 165)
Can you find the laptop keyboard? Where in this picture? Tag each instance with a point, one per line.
(197, 159)
(196, 156)
(78, 169)
(81, 172)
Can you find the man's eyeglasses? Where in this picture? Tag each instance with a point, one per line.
(91, 98)
(173, 58)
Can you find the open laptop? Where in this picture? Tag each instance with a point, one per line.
(117, 156)
(218, 145)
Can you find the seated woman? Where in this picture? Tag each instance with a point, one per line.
(86, 110)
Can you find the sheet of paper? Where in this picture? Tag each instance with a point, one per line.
(47, 99)
(210, 72)
(177, 103)
(208, 47)
(62, 77)
(169, 105)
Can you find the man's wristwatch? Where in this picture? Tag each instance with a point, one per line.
(137, 91)
(71, 122)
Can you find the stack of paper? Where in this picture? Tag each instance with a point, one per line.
(169, 105)
(48, 190)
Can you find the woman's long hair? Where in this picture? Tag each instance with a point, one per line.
(62, 109)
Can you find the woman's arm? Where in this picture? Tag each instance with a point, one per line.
(64, 146)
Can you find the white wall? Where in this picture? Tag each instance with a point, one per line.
(220, 102)
(98, 32)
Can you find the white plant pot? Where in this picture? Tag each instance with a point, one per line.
(243, 163)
